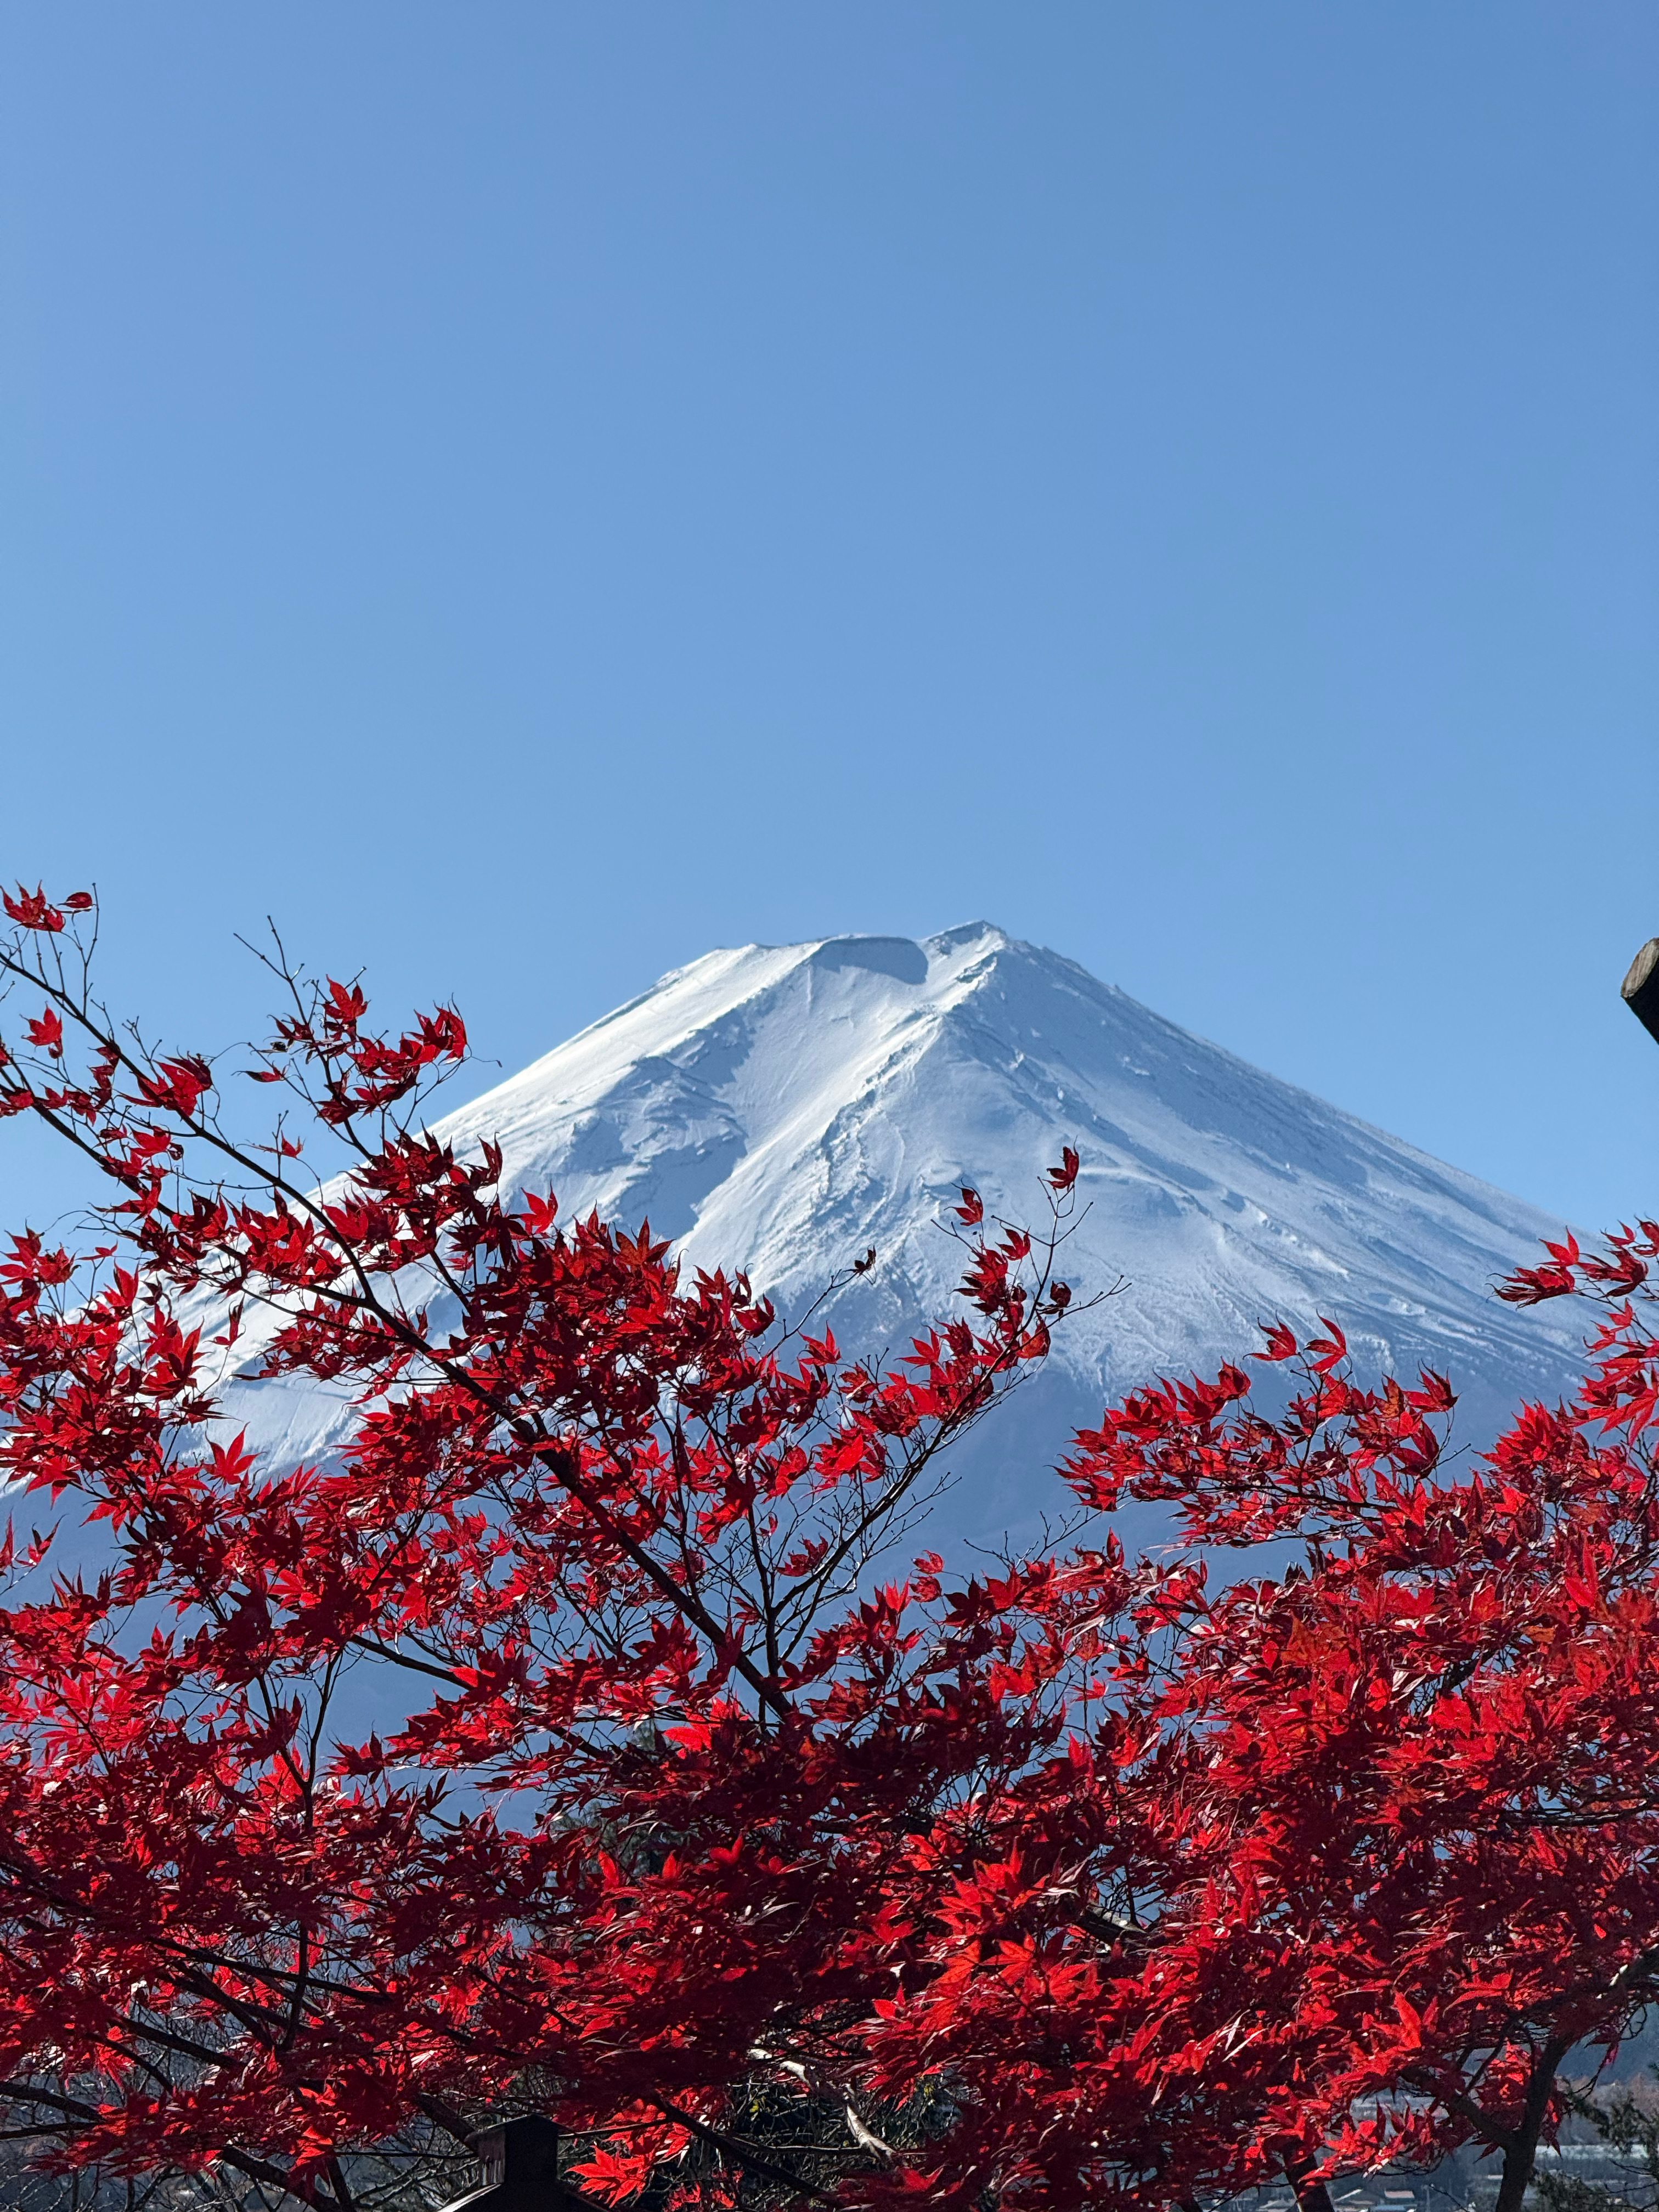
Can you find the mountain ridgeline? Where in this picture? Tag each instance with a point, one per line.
(783, 1109)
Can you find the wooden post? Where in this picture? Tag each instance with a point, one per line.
(1640, 988)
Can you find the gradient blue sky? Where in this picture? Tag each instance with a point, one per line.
(527, 493)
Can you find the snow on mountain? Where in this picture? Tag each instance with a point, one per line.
(781, 1108)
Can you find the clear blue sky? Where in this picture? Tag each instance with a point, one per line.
(527, 493)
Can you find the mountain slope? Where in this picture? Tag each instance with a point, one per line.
(782, 1108)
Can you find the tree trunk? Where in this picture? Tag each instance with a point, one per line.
(1311, 2195)
(1520, 2152)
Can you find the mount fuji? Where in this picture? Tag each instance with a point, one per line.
(780, 1109)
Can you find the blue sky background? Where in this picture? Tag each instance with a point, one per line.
(525, 494)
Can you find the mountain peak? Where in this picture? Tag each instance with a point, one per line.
(780, 1109)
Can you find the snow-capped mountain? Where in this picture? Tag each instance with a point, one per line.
(782, 1108)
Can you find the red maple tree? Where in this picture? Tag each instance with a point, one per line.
(1406, 1794)
(676, 1784)
(1084, 1879)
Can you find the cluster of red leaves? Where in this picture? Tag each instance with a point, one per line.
(1147, 1887)
(678, 1778)
(1407, 1782)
